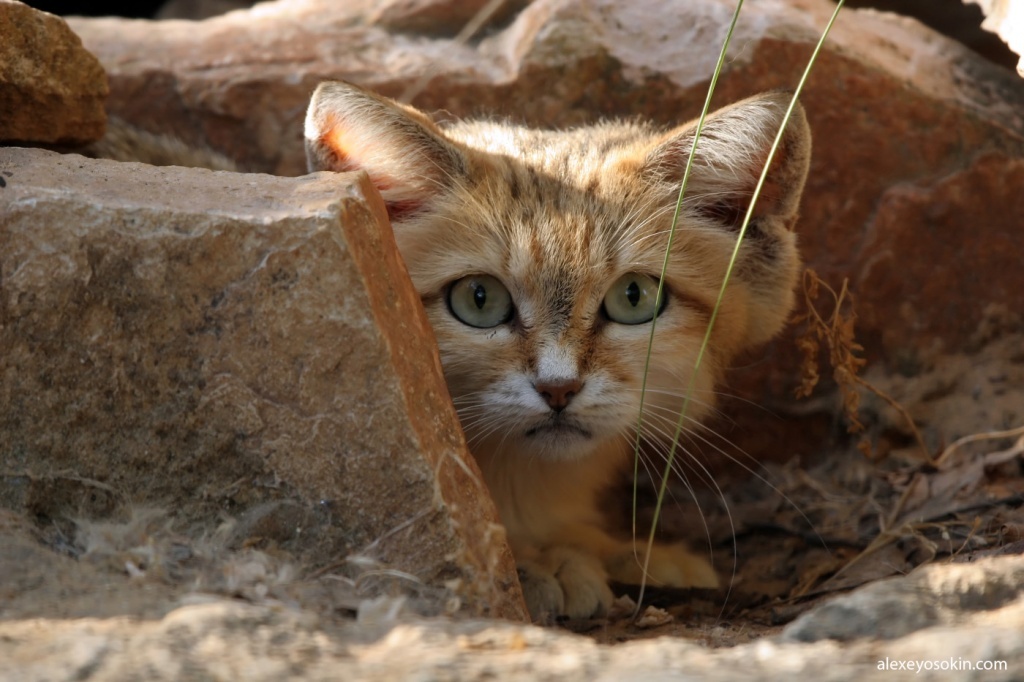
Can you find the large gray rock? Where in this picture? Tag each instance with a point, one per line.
(219, 343)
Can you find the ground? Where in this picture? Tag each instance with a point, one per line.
(784, 540)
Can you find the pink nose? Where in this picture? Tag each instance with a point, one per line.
(558, 392)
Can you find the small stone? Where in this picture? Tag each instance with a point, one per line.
(653, 617)
(622, 607)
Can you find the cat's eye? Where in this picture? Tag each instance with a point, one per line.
(480, 301)
(632, 299)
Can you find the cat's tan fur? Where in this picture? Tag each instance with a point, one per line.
(557, 217)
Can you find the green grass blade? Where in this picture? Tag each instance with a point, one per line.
(668, 250)
(663, 486)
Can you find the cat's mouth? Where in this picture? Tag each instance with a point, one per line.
(558, 428)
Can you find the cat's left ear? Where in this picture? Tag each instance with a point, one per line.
(405, 154)
(730, 156)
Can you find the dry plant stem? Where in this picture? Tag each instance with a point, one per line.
(903, 413)
(890, 533)
(1016, 449)
(844, 363)
(366, 550)
(977, 437)
(328, 569)
(974, 528)
(467, 32)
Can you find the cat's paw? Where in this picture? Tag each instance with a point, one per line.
(670, 566)
(563, 581)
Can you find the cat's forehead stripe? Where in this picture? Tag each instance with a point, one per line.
(512, 178)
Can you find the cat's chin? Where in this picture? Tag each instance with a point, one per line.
(554, 440)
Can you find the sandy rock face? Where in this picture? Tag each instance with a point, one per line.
(938, 219)
(222, 343)
(51, 89)
(892, 105)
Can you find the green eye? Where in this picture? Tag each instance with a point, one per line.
(480, 301)
(631, 299)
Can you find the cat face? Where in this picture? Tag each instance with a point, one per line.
(542, 307)
(538, 257)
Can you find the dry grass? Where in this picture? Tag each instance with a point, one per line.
(836, 330)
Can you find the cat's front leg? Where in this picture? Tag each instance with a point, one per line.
(571, 582)
(564, 581)
(669, 566)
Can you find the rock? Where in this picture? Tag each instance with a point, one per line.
(938, 219)
(220, 343)
(52, 90)
(957, 19)
(901, 115)
(934, 595)
(195, 10)
(1005, 18)
(223, 639)
(438, 18)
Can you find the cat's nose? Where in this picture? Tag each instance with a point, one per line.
(558, 393)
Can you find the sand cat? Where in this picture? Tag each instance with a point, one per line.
(537, 255)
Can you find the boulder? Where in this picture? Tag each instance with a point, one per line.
(225, 344)
(52, 90)
(1005, 18)
(902, 118)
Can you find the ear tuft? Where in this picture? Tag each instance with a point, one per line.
(404, 153)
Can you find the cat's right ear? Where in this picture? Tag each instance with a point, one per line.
(408, 159)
